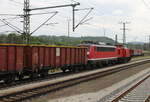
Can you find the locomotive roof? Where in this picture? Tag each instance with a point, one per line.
(98, 45)
(34, 45)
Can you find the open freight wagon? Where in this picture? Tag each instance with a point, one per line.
(19, 60)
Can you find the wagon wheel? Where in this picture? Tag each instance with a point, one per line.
(34, 74)
(74, 69)
(7, 80)
(44, 74)
(79, 68)
(10, 78)
(70, 69)
(20, 77)
(63, 69)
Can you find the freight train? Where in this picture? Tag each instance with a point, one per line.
(136, 52)
(19, 60)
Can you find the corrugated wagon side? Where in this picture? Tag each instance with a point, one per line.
(11, 61)
(17, 61)
(40, 59)
(73, 58)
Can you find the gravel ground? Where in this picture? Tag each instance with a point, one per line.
(109, 93)
(140, 58)
(89, 87)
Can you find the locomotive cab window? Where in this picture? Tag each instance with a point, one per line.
(105, 49)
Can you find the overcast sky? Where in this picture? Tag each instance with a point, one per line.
(107, 14)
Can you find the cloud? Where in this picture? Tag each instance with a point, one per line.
(106, 14)
(117, 12)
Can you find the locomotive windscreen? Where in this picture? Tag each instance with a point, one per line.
(105, 49)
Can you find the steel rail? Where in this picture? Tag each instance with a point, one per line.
(129, 90)
(148, 99)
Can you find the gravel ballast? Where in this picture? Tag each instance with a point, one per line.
(92, 86)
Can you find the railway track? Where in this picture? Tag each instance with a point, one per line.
(19, 95)
(138, 93)
(55, 75)
(51, 76)
(28, 80)
(148, 99)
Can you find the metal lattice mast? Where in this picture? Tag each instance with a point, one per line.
(124, 33)
(26, 23)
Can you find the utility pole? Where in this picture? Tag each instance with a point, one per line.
(60, 6)
(68, 21)
(124, 32)
(26, 22)
(27, 10)
(116, 39)
(149, 43)
(73, 18)
(104, 30)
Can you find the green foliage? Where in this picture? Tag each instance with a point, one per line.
(11, 38)
(63, 40)
(51, 40)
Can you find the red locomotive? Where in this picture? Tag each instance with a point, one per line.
(124, 54)
(17, 61)
(106, 54)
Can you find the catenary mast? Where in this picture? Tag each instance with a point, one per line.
(26, 22)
